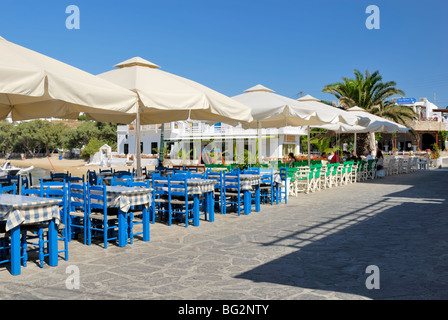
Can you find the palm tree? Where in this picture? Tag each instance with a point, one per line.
(368, 91)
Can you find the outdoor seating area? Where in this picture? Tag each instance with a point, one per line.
(320, 176)
(110, 207)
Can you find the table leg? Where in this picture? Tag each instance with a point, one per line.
(196, 210)
(257, 198)
(53, 244)
(247, 201)
(145, 224)
(15, 251)
(122, 225)
(211, 206)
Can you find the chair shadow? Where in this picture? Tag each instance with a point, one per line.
(405, 235)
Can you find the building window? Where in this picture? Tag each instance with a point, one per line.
(154, 147)
(288, 148)
(126, 148)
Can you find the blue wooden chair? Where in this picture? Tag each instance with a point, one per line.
(267, 188)
(77, 210)
(282, 193)
(135, 215)
(233, 192)
(36, 234)
(101, 222)
(220, 195)
(161, 198)
(5, 244)
(58, 190)
(181, 203)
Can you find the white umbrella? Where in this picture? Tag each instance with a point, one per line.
(371, 123)
(271, 110)
(33, 86)
(165, 97)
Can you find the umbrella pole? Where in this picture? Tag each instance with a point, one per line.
(354, 144)
(162, 142)
(259, 142)
(138, 151)
(309, 145)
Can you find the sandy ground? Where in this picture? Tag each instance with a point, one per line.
(75, 167)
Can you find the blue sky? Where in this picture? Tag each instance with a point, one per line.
(288, 46)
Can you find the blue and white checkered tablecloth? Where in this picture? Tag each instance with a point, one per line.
(247, 181)
(194, 185)
(17, 210)
(125, 197)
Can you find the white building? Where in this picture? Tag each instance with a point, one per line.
(192, 142)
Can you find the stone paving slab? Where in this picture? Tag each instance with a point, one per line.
(317, 247)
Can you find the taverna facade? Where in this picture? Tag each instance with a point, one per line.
(194, 142)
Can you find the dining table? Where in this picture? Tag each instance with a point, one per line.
(198, 187)
(17, 211)
(124, 198)
(249, 183)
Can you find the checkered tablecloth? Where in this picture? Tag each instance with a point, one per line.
(17, 210)
(125, 197)
(247, 181)
(194, 186)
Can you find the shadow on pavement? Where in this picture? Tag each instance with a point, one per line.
(405, 236)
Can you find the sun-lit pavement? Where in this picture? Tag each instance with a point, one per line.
(318, 246)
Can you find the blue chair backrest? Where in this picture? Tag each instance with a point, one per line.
(267, 175)
(232, 179)
(160, 185)
(97, 197)
(59, 176)
(76, 179)
(92, 177)
(252, 171)
(120, 173)
(12, 189)
(144, 184)
(121, 181)
(178, 185)
(77, 196)
(217, 176)
(57, 190)
(32, 192)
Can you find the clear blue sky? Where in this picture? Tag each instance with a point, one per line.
(289, 46)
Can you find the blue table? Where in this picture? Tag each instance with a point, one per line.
(197, 187)
(249, 183)
(19, 210)
(123, 198)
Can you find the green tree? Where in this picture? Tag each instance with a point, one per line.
(368, 91)
(81, 135)
(6, 137)
(25, 137)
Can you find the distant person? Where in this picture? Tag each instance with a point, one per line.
(368, 155)
(324, 156)
(354, 157)
(379, 156)
(335, 158)
(291, 159)
(330, 156)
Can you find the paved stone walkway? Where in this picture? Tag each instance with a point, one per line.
(318, 246)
